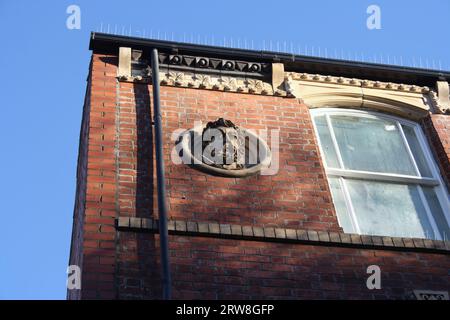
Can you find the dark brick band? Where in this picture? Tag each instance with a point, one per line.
(211, 229)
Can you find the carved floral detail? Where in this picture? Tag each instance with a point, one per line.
(289, 86)
(177, 78)
(206, 81)
(436, 104)
(203, 80)
(229, 83)
(254, 85)
(356, 82)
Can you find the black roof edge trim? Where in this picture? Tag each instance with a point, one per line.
(99, 41)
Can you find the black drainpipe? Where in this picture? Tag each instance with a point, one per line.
(161, 181)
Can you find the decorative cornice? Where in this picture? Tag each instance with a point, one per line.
(214, 82)
(356, 82)
(213, 65)
(107, 43)
(187, 71)
(210, 82)
(408, 101)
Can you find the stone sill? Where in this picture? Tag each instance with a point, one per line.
(311, 237)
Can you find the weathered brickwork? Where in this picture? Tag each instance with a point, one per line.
(231, 269)
(120, 182)
(297, 196)
(76, 249)
(437, 128)
(97, 243)
(137, 268)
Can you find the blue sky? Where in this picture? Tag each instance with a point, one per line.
(45, 65)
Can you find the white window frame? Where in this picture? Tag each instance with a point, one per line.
(435, 181)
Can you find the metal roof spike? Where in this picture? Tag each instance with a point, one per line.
(411, 72)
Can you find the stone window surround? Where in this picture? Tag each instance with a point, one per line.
(407, 101)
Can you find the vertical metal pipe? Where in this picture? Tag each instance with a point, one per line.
(161, 181)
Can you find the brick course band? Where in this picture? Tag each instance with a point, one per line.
(271, 234)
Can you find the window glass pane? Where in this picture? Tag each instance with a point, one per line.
(437, 211)
(325, 142)
(389, 209)
(371, 145)
(417, 151)
(339, 204)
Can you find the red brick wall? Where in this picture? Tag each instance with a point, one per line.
(137, 261)
(98, 240)
(297, 196)
(76, 249)
(204, 268)
(120, 182)
(437, 128)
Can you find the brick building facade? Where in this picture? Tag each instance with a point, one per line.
(257, 237)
